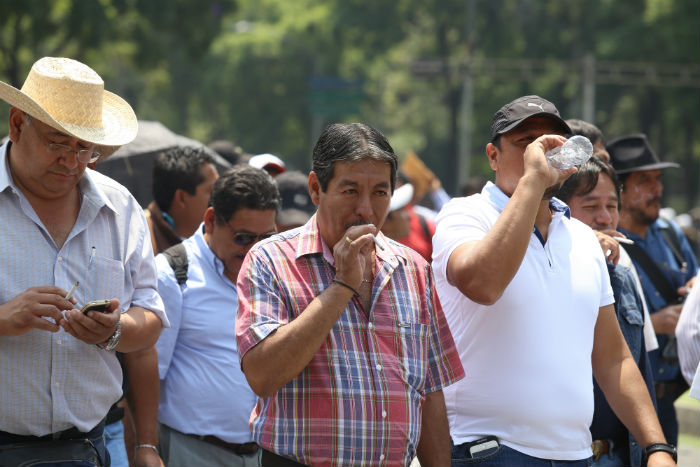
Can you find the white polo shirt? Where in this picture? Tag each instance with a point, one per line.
(527, 357)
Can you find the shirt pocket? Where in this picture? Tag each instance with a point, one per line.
(105, 279)
(631, 322)
(629, 310)
(404, 344)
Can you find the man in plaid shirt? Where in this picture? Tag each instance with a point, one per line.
(340, 330)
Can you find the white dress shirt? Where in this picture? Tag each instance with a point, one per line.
(51, 382)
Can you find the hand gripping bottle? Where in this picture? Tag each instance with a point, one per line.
(577, 150)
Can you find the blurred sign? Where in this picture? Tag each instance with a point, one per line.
(331, 96)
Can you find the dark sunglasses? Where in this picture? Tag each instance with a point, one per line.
(246, 238)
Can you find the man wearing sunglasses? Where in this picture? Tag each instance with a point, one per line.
(205, 401)
(340, 330)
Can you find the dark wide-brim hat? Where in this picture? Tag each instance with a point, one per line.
(633, 154)
(516, 112)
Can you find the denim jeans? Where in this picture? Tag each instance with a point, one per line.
(96, 437)
(114, 437)
(506, 456)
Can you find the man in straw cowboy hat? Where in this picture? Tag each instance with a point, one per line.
(67, 228)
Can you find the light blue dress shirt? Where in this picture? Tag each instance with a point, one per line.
(203, 390)
(50, 382)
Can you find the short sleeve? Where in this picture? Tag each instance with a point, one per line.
(444, 365)
(460, 221)
(261, 309)
(171, 293)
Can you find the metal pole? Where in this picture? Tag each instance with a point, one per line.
(589, 88)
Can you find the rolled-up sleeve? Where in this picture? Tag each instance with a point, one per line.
(142, 269)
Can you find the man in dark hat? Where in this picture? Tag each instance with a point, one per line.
(663, 257)
(527, 295)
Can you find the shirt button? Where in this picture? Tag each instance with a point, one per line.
(381, 458)
(383, 413)
(661, 370)
(370, 326)
(56, 384)
(379, 367)
(656, 293)
(59, 259)
(58, 341)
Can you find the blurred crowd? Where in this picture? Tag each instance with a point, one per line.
(166, 302)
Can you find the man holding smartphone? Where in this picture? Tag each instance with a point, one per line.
(64, 224)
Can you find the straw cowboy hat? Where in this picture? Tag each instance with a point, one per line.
(70, 96)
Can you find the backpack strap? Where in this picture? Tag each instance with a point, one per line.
(657, 277)
(177, 259)
(424, 225)
(674, 243)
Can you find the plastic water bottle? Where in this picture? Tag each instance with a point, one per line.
(577, 150)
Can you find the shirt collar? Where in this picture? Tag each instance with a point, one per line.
(311, 242)
(499, 200)
(5, 177)
(88, 188)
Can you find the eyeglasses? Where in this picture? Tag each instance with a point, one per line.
(246, 238)
(84, 155)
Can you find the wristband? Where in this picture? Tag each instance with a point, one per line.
(149, 446)
(656, 447)
(339, 282)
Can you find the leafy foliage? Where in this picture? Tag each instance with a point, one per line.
(249, 71)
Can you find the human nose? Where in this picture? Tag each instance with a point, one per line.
(603, 218)
(69, 159)
(364, 207)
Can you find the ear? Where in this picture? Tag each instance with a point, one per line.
(17, 123)
(209, 220)
(179, 199)
(492, 153)
(314, 188)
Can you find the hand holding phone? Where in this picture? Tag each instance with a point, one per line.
(96, 305)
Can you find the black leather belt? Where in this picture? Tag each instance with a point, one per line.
(71, 433)
(665, 388)
(245, 449)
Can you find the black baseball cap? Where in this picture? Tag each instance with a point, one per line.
(516, 112)
(633, 154)
(297, 207)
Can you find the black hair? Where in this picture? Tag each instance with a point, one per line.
(583, 128)
(243, 187)
(348, 142)
(178, 168)
(585, 180)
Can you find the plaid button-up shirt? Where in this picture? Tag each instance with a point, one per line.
(358, 402)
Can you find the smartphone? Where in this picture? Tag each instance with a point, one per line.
(96, 305)
(483, 447)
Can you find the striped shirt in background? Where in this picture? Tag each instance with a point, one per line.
(688, 334)
(358, 402)
(51, 382)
